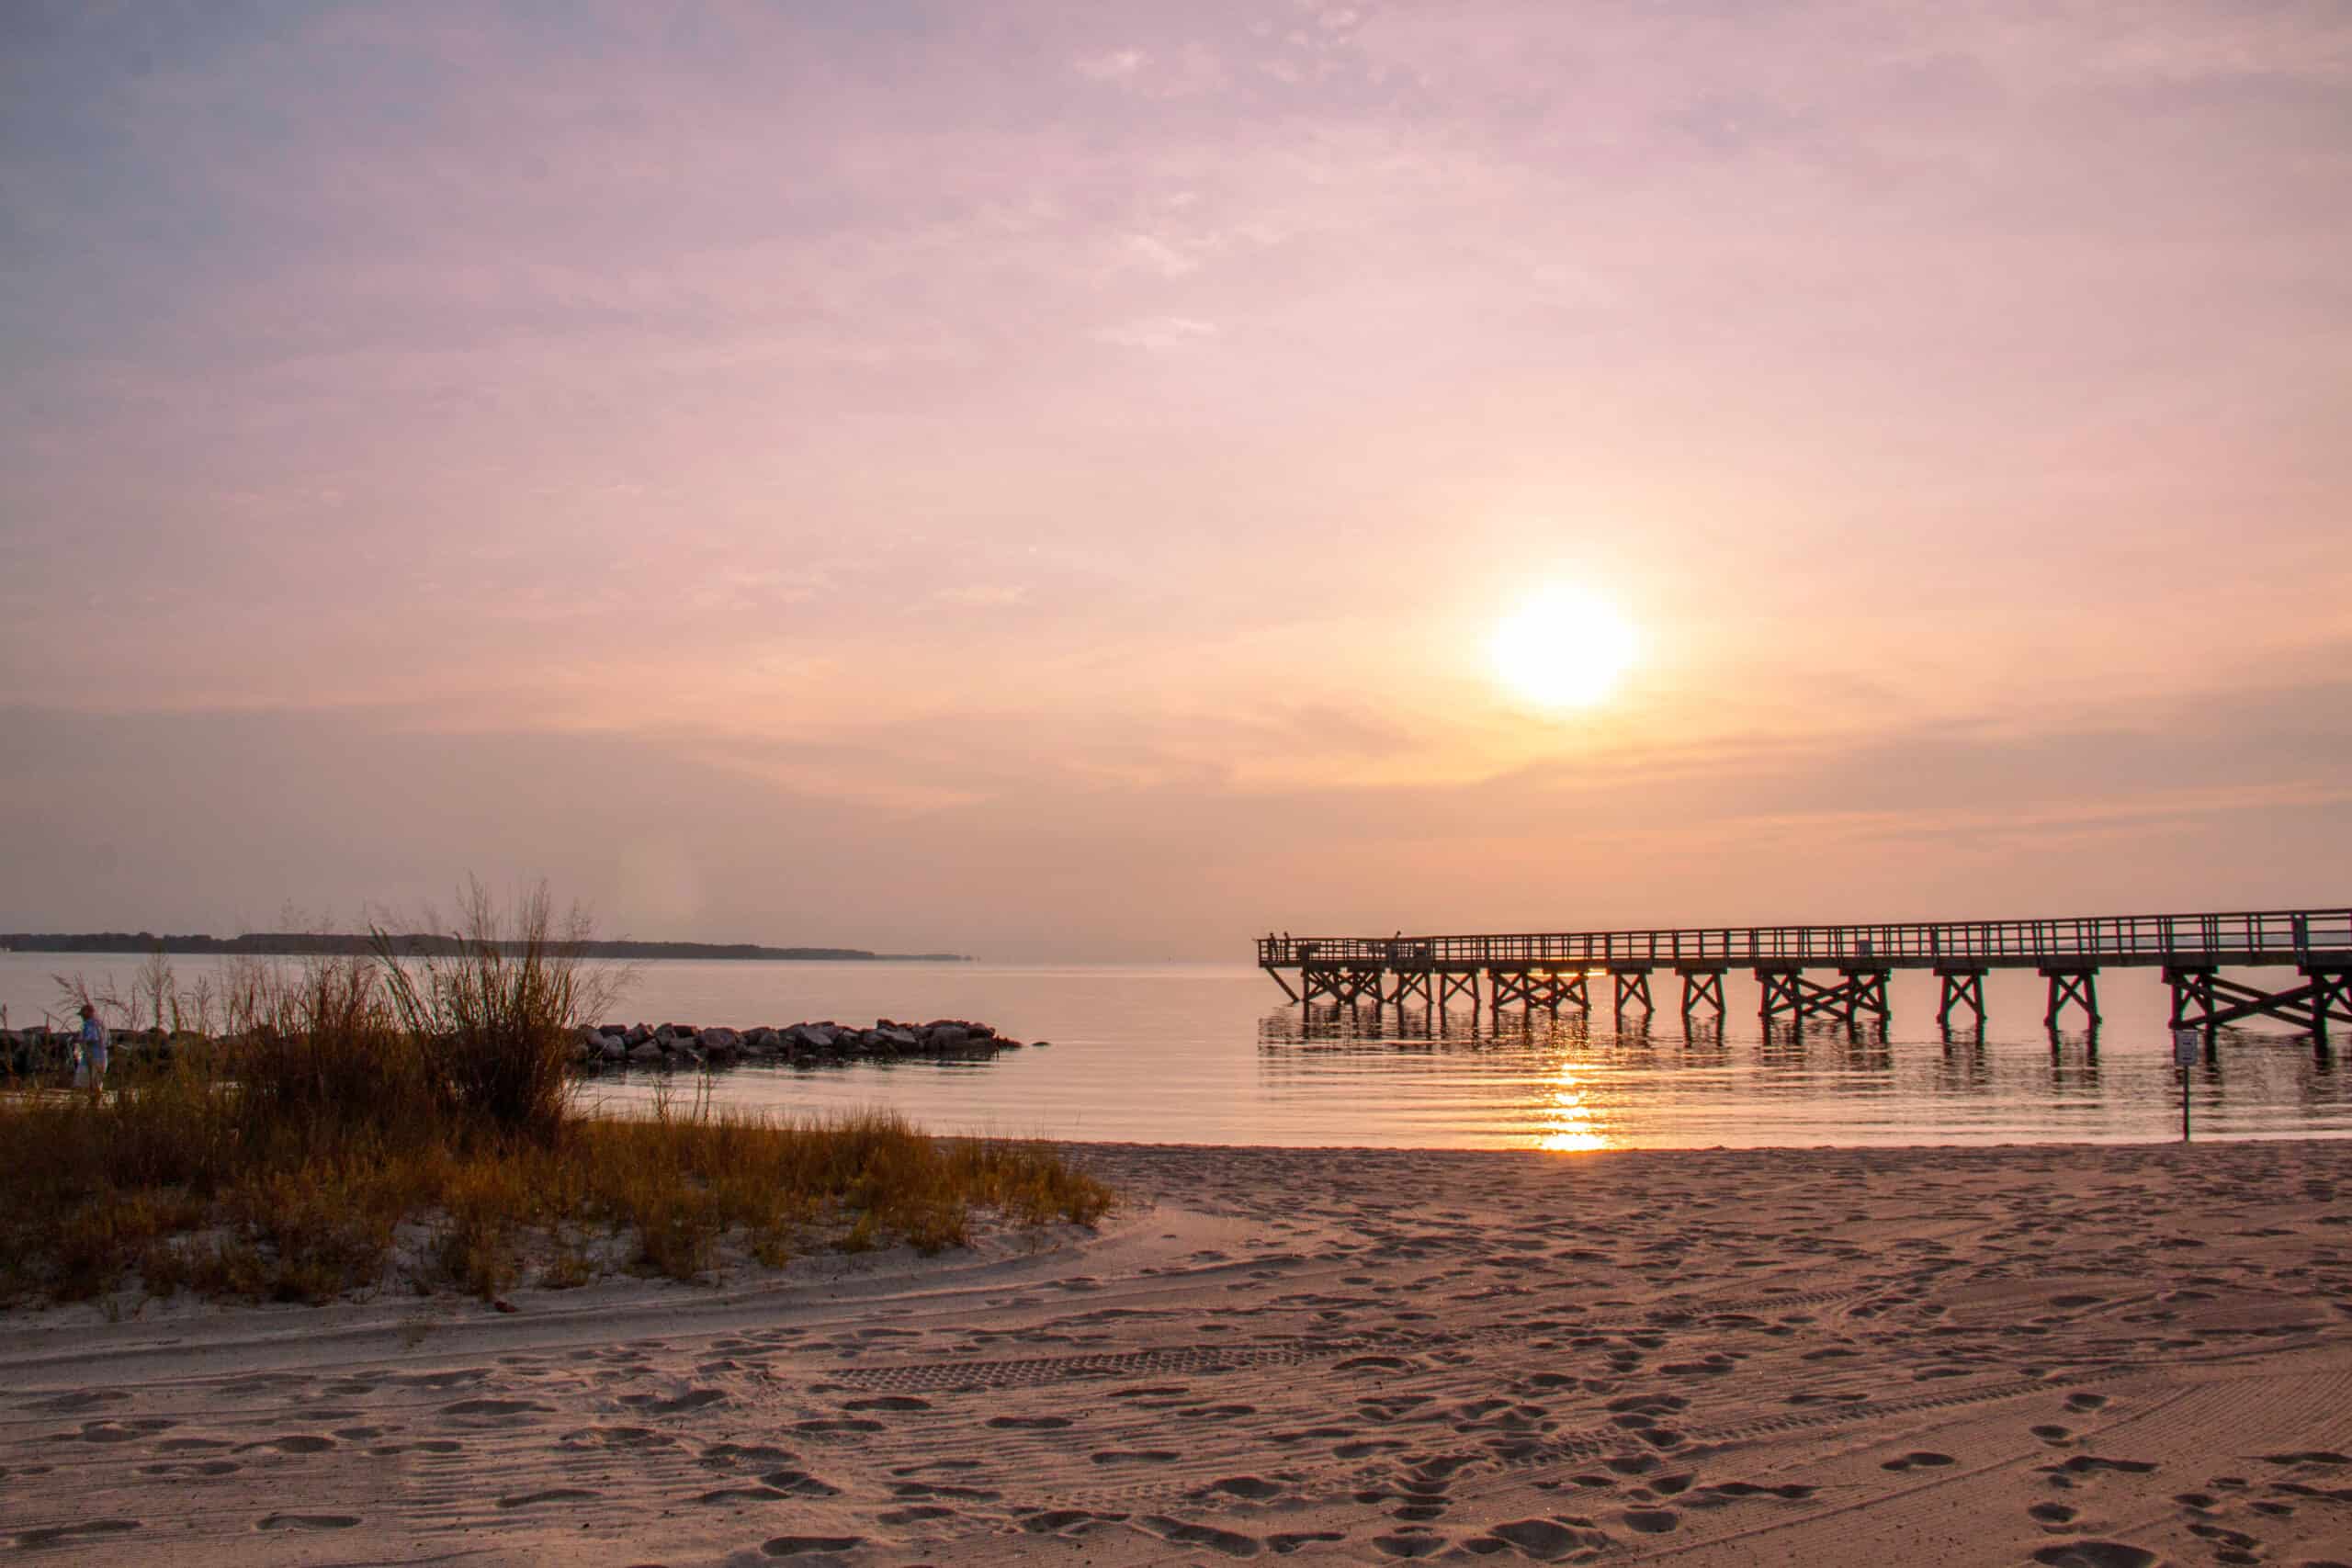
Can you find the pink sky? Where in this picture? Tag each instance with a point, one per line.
(1039, 479)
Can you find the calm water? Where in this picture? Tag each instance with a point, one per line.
(1186, 1054)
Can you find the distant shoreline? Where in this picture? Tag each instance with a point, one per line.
(300, 944)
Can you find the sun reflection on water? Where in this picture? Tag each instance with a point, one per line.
(1568, 1120)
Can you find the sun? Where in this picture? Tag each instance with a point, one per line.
(1564, 648)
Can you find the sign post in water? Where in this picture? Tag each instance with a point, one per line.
(2185, 1048)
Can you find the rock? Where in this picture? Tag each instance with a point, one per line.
(945, 1037)
(725, 1039)
(904, 1038)
(816, 1036)
(637, 1035)
(761, 1039)
(645, 1054)
(614, 1050)
(1040, 1044)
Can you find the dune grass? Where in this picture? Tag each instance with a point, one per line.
(362, 1126)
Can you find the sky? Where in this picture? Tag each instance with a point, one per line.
(1041, 481)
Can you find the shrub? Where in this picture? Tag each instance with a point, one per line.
(346, 1097)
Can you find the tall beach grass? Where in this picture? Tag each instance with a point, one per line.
(349, 1124)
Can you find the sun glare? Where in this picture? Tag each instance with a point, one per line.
(1564, 648)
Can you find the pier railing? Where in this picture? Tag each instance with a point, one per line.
(2257, 937)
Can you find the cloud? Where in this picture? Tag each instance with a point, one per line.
(1116, 65)
(1158, 334)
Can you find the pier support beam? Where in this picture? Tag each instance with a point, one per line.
(1450, 986)
(1787, 993)
(2202, 1000)
(1533, 989)
(1412, 983)
(1701, 987)
(2076, 983)
(1632, 986)
(1961, 987)
(1346, 984)
(1866, 993)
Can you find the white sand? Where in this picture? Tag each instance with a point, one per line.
(2103, 1357)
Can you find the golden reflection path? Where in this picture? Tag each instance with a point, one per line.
(1568, 1120)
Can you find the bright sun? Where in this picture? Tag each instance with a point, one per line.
(1564, 648)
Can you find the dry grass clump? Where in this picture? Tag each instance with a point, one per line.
(365, 1124)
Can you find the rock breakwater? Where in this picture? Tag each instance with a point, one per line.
(613, 1047)
(670, 1046)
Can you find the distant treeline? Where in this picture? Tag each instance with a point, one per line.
(304, 944)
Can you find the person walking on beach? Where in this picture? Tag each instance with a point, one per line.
(91, 1046)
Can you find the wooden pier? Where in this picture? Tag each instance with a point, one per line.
(1841, 972)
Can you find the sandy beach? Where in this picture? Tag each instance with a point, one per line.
(2105, 1357)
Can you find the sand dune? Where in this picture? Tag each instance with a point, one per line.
(2105, 1358)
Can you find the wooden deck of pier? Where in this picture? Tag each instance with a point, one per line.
(1841, 971)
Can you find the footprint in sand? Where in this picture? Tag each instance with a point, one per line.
(2051, 1514)
(1917, 1460)
(1544, 1539)
(1367, 1449)
(916, 1489)
(2079, 1402)
(121, 1431)
(1066, 1521)
(799, 1545)
(2091, 1465)
(1732, 1491)
(294, 1443)
(307, 1521)
(692, 1399)
(890, 1401)
(59, 1403)
(551, 1495)
(492, 1411)
(2095, 1554)
(1028, 1423)
(726, 1495)
(720, 1454)
(1178, 1533)
(1651, 1521)
(1135, 1456)
(60, 1535)
(1409, 1544)
(1289, 1541)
